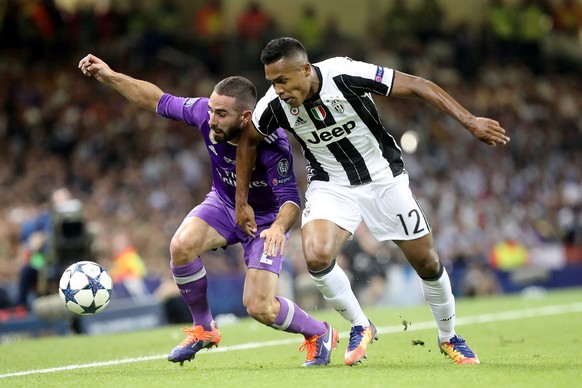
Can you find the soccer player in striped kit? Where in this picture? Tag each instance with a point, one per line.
(210, 225)
(356, 173)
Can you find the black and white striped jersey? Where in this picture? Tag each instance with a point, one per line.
(339, 128)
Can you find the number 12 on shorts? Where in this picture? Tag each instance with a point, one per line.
(414, 218)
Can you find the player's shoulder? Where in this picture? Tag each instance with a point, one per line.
(334, 64)
(275, 149)
(262, 106)
(333, 61)
(277, 143)
(276, 139)
(201, 102)
(170, 101)
(269, 96)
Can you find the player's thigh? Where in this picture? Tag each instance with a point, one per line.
(333, 203)
(209, 225)
(390, 210)
(255, 257)
(195, 233)
(259, 287)
(330, 217)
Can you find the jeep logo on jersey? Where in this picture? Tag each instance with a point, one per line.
(333, 134)
(283, 167)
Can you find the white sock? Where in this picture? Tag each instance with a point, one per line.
(337, 291)
(439, 295)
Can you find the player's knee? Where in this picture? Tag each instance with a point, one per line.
(182, 249)
(318, 256)
(429, 267)
(260, 311)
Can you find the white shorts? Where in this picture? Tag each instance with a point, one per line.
(388, 207)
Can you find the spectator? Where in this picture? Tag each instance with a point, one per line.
(567, 16)
(209, 29)
(252, 27)
(252, 23)
(52, 239)
(428, 20)
(508, 255)
(33, 252)
(500, 27)
(480, 281)
(208, 21)
(311, 30)
(127, 263)
(398, 21)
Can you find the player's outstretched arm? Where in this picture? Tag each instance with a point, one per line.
(246, 155)
(142, 93)
(275, 239)
(487, 130)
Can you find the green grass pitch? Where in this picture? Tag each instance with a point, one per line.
(522, 342)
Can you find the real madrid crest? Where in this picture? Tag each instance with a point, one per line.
(283, 167)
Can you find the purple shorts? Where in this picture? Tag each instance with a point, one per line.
(221, 216)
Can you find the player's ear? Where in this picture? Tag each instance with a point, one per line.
(247, 116)
(306, 67)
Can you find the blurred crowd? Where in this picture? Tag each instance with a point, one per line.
(137, 175)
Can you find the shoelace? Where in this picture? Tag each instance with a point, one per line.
(356, 335)
(196, 334)
(456, 355)
(461, 347)
(311, 346)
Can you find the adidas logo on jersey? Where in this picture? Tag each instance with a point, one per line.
(271, 138)
(299, 122)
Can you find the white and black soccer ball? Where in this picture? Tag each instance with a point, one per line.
(85, 287)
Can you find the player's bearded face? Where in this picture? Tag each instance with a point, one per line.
(225, 120)
(221, 135)
(290, 80)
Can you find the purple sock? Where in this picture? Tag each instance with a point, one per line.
(193, 284)
(293, 319)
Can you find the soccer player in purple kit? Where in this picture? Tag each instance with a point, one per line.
(272, 192)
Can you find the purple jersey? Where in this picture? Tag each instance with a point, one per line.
(272, 180)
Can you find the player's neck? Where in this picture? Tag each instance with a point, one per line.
(247, 127)
(313, 84)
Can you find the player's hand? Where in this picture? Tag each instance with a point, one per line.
(245, 219)
(489, 131)
(91, 66)
(275, 240)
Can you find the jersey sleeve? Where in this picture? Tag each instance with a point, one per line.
(277, 158)
(372, 78)
(191, 110)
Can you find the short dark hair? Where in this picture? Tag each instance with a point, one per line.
(285, 47)
(240, 88)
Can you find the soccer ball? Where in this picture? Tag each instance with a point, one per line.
(85, 287)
